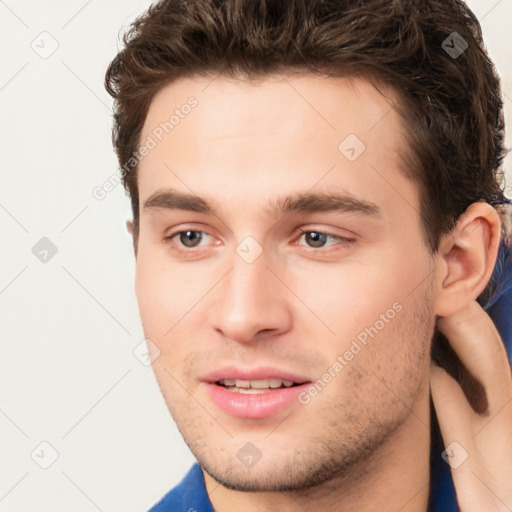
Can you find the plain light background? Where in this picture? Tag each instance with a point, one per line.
(69, 377)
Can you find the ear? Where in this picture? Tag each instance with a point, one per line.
(129, 228)
(466, 258)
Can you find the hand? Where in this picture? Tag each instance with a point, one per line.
(483, 480)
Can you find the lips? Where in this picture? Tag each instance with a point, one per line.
(254, 393)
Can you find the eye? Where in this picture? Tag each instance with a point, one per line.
(318, 239)
(189, 238)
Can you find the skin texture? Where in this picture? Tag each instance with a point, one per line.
(363, 442)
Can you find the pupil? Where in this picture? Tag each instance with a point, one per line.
(190, 236)
(317, 239)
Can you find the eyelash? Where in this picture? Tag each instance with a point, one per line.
(344, 241)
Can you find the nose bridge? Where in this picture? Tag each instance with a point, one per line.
(250, 299)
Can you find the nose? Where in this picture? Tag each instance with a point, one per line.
(250, 302)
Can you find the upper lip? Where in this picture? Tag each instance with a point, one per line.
(259, 373)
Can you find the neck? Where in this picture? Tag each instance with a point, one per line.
(395, 477)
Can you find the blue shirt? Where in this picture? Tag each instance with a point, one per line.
(190, 494)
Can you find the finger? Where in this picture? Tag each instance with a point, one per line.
(477, 343)
(467, 456)
(454, 413)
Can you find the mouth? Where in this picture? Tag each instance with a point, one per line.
(257, 393)
(254, 387)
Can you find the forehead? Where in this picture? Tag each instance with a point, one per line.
(219, 136)
(315, 106)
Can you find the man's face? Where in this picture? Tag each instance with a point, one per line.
(244, 294)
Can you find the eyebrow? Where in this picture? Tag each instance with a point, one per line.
(171, 199)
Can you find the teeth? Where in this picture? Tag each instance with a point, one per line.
(243, 385)
(275, 383)
(259, 384)
(248, 391)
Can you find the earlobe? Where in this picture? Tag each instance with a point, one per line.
(129, 227)
(466, 258)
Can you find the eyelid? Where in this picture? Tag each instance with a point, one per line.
(175, 233)
(192, 226)
(326, 231)
(342, 240)
(346, 235)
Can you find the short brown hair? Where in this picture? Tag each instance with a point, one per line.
(450, 103)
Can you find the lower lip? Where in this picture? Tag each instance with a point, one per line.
(260, 405)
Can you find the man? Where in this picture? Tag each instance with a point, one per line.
(316, 210)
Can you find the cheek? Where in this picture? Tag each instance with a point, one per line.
(164, 291)
(352, 296)
(385, 361)
(168, 298)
